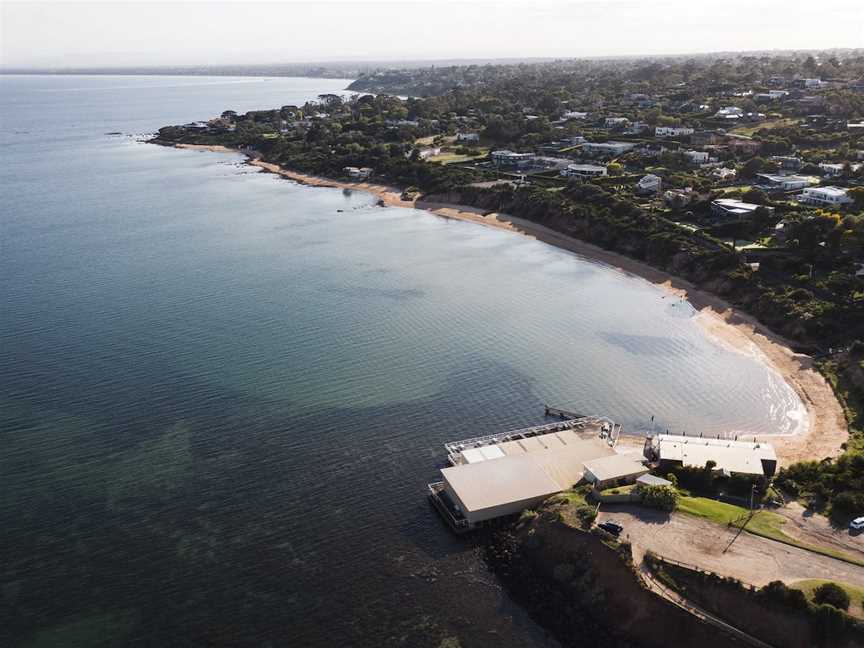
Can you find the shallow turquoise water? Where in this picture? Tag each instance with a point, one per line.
(221, 398)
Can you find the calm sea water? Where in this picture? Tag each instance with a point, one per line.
(222, 394)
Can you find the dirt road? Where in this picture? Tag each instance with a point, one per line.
(698, 542)
(815, 529)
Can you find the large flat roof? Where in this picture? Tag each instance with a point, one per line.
(535, 467)
(733, 456)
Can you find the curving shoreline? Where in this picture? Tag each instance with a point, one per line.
(824, 429)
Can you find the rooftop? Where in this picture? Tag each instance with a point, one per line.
(729, 455)
(534, 467)
(827, 191)
(617, 465)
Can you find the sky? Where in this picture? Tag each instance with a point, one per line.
(118, 33)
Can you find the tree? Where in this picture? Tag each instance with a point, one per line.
(832, 594)
(752, 167)
(857, 195)
(664, 498)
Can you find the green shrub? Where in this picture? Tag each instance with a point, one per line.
(664, 498)
(832, 594)
(586, 516)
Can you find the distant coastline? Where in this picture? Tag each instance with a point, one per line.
(822, 430)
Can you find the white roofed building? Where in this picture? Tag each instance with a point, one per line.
(825, 197)
(583, 171)
(729, 456)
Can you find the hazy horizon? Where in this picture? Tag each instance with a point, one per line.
(99, 34)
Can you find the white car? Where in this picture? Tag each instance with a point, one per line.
(857, 524)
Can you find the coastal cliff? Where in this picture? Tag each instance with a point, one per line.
(583, 587)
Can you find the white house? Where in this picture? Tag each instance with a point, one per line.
(615, 122)
(360, 173)
(697, 157)
(825, 196)
(724, 173)
(729, 112)
(583, 171)
(426, 153)
(607, 148)
(672, 131)
(783, 182)
(574, 114)
(836, 169)
(510, 159)
(809, 83)
(737, 208)
(467, 137)
(791, 162)
(649, 184)
(771, 95)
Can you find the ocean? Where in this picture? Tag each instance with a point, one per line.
(222, 394)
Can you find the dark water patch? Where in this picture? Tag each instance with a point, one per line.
(651, 345)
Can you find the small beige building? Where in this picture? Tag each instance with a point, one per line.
(615, 470)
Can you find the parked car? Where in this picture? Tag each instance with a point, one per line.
(857, 524)
(613, 527)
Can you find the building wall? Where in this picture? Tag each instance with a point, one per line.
(509, 508)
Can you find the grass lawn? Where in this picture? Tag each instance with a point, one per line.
(573, 497)
(619, 490)
(764, 523)
(449, 157)
(856, 594)
(569, 502)
(774, 123)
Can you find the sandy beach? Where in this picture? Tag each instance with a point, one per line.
(824, 429)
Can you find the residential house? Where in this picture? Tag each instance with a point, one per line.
(788, 162)
(356, 173)
(678, 198)
(574, 114)
(697, 157)
(729, 207)
(615, 122)
(808, 83)
(741, 144)
(672, 131)
(729, 112)
(607, 148)
(705, 138)
(775, 182)
(426, 153)
(636, 128)
(648, 185)
(771, 95)
(825, 197)
(724, 174)
(583, 171)
(510, 159)
(467, 137)
(835, 170)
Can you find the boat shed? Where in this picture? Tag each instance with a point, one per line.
(526, 472)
